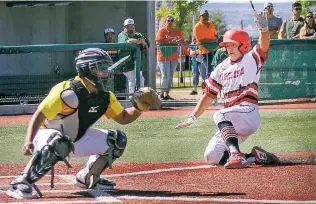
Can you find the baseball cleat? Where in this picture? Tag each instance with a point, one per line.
(14, 192)
(236, 161)
(102, 184)
(264, 157)
(21, 189)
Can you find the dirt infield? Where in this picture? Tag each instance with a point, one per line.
(187, 182)
(179, 183)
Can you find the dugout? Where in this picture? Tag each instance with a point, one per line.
(72, 22)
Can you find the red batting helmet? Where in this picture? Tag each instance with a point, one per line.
(237, 36)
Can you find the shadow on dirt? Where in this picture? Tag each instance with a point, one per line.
(140, 193)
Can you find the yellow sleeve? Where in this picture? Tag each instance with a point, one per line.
(52, 104)
(115, 108)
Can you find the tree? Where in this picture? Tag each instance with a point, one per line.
(306, 5)
(182, 12)
(218, 19)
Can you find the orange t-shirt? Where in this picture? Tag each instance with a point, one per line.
(203, 32)
(165, 36)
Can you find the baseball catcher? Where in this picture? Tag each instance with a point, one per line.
(61, 126)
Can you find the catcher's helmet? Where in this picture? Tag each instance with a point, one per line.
(92, 64)
(237, 36)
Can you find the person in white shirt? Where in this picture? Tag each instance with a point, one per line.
(238, 78)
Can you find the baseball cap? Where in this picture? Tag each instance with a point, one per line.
(268, 4)
(202, 12)
(129, 21)
(108, 30)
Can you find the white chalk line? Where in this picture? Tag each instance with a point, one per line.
(101, 196)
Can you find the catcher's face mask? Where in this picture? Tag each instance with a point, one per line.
(100, 71)
(93, 64)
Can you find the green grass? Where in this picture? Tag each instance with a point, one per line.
(155, 139)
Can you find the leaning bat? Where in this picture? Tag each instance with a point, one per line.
(252, 5)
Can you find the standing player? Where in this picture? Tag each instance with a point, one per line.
(62, 124)
(238, 77)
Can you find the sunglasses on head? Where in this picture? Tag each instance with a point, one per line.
(298, 8)
(170, 20)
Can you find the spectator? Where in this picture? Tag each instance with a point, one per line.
(315, 16)
(292, 26)
(275, 22)
(119, 78)
(220, 54)
(109, 37)
(309, 28)
(204, 32)
(167, 57)
(194, 67)
(129, 35)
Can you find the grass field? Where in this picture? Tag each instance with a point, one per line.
(154, 139)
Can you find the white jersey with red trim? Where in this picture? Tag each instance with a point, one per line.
(239, 80)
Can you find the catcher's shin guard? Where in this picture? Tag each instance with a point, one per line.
(117, 141)
(57, 149)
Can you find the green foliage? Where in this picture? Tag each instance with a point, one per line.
(307, 6)
(182, 12)
(218, 18)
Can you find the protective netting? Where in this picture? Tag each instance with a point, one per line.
(290, 71)
(29, 72)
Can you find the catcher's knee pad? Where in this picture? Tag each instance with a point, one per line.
(57, 149)
(117, 141)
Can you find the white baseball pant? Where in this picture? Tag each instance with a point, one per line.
(132, 80)
(245, 119)
(92, 144)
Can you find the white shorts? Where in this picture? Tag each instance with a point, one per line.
(245, 119)
(93, 142)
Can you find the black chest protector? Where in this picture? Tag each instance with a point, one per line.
(91, 106)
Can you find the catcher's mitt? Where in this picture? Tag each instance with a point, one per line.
(144, 98)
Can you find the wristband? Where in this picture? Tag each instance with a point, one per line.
(191, 119)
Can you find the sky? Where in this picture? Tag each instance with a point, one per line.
(254, 1)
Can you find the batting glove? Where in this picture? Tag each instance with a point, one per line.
(190, 120)
(261, 21)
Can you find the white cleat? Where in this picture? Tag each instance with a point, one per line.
(102, 184)
(16, 193)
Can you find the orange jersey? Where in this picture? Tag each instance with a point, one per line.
(203, 32)
(165, 36)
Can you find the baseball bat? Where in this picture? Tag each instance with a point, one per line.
(252, 5)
